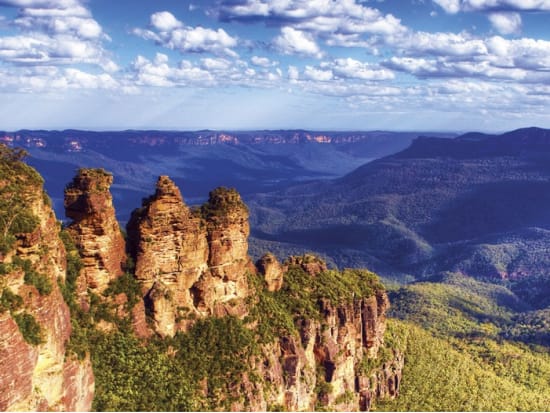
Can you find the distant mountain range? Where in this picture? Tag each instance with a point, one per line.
(251, 161)
(477, 204)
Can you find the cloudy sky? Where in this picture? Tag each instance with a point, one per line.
(243, 64)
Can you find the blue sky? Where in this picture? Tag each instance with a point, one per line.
(245, 64)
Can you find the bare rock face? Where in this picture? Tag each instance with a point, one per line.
(323, 366)
(190, 264)
(228, 230)
(95, 230)
(169, 243)
(310, 263)
(272, 271)
(33, 353)
(335, 360)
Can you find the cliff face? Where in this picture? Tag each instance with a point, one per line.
(34, 319)
(335, 361)
(190, 266)
(95, 230)
(318, 334)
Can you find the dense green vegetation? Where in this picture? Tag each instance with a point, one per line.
(131, 376)
(204, 368)
(15, 179)
(29, 328)
(10, 301)
(33, 277)
(459, 351)
(220, 201)
(300, 296)
(198, 370)
(469, 376)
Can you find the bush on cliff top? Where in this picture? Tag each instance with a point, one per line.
(220, 201)
(300, 296)
(18, 182)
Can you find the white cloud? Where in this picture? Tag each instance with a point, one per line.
(158, 73)
(450, 6)
(454, 6)
(293, 73)
(292, 41)
(440, 44)
(319, 75)
(173, 34)
(207, 72)
(44, 79)
(61, 32)
(353, 69)
(262, 61)
(165, 21)
(333, 21)
(506, 22)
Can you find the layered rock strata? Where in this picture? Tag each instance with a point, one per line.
(272, 271)
(36, 373)
(94, 229)
(190, 263)
(327, 364)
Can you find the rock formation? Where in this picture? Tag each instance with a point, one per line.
(95, 230)
(272, 271)
(310, 263)
(327, 364)
(36, 373)
(188, 265)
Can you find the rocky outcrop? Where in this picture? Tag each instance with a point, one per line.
(310, 263)
(35, 326)
(94, 229)
(190, 264)
(328, 364)
(272, 271)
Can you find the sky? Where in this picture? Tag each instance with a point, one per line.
(442, 65)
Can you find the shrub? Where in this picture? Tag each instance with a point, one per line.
(29, 328)
(10, 301)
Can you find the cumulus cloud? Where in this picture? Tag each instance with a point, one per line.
(292, 41)
(52, 33)
(207, 72)
(316, 74)
(454, 6)
(36, 79)
(262, 61)
(521, 60)
(353, 69)
(159, 73)
(450, 6)
(506, 22)
(339, 22)
(440, 44)
(171, 33)
(503, 14)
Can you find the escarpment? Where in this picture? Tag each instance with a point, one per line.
(94, 229)
(333, 355)
(288, 336)
(36, 371)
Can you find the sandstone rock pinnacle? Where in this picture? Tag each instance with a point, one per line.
(272, 271)
(95, 230)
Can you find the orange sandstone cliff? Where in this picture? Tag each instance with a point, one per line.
(36, 372)
(94, 229)
(189, 264)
